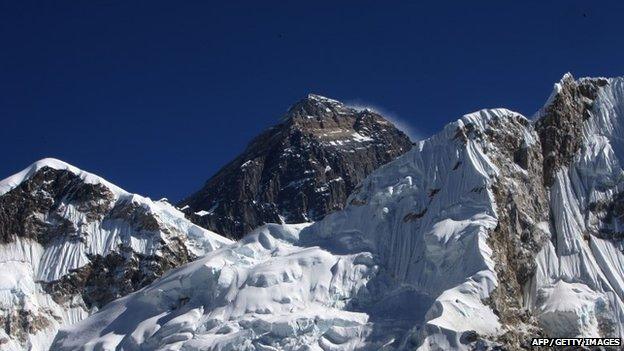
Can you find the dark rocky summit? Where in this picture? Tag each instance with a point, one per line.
(298, 171)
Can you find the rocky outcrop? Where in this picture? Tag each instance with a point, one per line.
(33, 209)
(519, 234)
(36, 210)
(109, 277)
(70, 242)
(19, 324)
(297, 171)
(560, 122)
(525, 216)
(511, 143)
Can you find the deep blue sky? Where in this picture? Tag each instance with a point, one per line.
(156, 96)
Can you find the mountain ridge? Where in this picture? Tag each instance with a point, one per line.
(493, 231)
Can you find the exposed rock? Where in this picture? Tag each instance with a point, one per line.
(517, 238)
(32, 210)
(483, 237)
(20, 323)
(117, 274)
(522, 220)
(412, 216)
(469, 336)
(561, 121)
(609, 215)
(299, 170)
(137, 215)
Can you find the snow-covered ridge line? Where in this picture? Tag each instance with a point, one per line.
(322, 98)
(13, 181)
(578, 288)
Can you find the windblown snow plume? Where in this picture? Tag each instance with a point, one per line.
(398, 122)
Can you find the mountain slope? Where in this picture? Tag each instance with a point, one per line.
(496, 230)
(297, 171)
(70, 242)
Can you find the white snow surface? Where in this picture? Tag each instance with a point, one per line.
(242, 296)
(24, 263)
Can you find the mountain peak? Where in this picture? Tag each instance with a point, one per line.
(15, 180)
(567, 77)
(514, 224)
(321, 98)
(299, 170)
(315, 106)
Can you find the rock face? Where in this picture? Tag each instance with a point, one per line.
(70, 242)
(297, 171)
(560, 123)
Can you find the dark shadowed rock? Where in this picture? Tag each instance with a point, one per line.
(32, 209)
(117, 274)
(298, 171)
(561, 121)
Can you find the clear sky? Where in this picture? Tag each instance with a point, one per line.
(156, 96)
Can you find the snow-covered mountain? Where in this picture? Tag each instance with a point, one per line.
(70, 242)
(298, 170)
(498, 229)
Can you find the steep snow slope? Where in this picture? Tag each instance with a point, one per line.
(431, 217)
(71, 241)
(491, 232)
